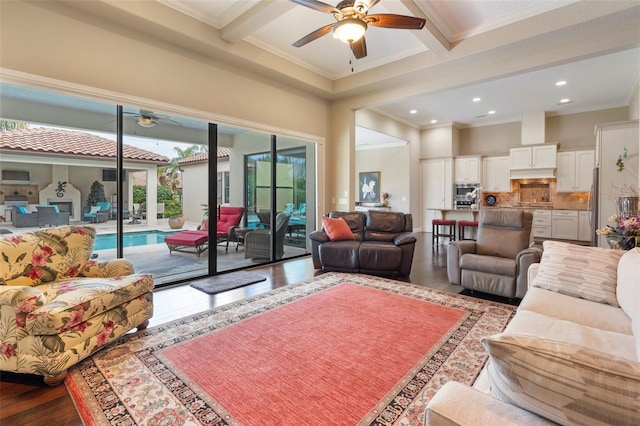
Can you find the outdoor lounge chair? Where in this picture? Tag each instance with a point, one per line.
(188, 241)
(23, 218)
(51, 216)
(198, 241)
(98, 213)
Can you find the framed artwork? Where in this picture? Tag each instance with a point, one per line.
(369, 184)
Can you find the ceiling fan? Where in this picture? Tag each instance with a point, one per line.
(352, 20)
(149, 119)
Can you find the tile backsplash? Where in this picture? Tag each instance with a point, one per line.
(538, 193)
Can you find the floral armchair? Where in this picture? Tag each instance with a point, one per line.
(57, 307)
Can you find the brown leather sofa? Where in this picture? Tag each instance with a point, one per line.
(383, 245)
(497, 262)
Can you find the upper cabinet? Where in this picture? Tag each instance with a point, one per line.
(534, 157)
(575, 171)
(495, 174)
(467, 170)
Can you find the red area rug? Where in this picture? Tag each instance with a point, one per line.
(341, 349)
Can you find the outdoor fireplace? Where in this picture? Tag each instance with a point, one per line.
(65, 205)
(65, 196)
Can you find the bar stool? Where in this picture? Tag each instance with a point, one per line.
(438, 230)
(465, 224)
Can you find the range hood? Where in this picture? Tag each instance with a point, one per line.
(15, 177)
(535, 159)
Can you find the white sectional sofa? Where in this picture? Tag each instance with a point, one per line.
(571, 354)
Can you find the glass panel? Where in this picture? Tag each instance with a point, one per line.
(167, 196)
(296, 192)
(245, 181)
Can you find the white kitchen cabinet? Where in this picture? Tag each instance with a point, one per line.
(584, 227)
(467, 169)
(575, 171)
(564, 224)
(534, 157)
(541, 227)
(496, 174)
(437, 188)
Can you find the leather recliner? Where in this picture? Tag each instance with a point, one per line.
(497, 262)
(384, 244)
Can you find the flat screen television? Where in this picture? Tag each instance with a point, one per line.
(109, 175)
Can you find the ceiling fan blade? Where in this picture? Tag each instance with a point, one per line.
(402, 22)
(314, 35)
(164, 120)
(359, 48)
(317, 5)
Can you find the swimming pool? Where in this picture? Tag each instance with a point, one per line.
(130, 239)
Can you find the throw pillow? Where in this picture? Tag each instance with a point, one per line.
(337, 229)
(628, 291)
(579, 271)
(564, 383)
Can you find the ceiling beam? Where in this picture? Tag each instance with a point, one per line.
(259, 15)
(432, 38)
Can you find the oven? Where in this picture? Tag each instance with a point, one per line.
(460, 198)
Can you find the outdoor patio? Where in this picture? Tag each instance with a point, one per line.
(166, 267)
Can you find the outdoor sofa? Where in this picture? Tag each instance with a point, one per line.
(571, 354)
(57, 306)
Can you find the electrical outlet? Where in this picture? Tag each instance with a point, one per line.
(581, 200)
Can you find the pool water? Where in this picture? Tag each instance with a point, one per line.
(130, 239)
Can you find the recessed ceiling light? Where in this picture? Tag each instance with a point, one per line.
(434, 121)
(413, 111)
(564, 101)
(476, 99)
(491, 112)
(561, 83)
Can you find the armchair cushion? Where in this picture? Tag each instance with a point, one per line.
(579, 271)
(503, 233)
(74, 301)
(489, 264)
(43, 256)
(337, 229)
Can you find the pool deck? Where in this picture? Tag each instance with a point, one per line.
(156, 260)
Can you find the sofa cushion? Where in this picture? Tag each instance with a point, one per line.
(579, 271)
(628, 290)
(340, 253)
(581, 311)
(356, 221)
(45, 255)
(565, 383)
(337, 229)
(375, 256)
(75, 301)
(503, 233)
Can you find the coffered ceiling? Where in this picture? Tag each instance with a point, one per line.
(456, 32)
(508, 53)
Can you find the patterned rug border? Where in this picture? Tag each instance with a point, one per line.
(98, 402)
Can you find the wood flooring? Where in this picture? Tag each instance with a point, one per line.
(25, 400)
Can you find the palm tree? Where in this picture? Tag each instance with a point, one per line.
(168, 175)
(12, 125)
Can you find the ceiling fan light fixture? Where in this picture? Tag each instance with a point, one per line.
(349, 30)
(146, 122)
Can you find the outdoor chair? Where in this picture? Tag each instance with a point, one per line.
(23, 218)
(98, 213)
(52, 216)
(257, 243)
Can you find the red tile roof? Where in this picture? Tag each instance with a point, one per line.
(204, 156)
(68, 142)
